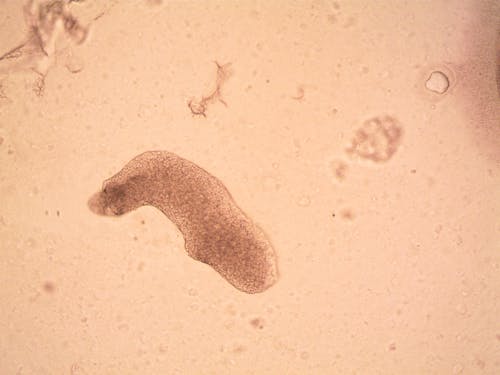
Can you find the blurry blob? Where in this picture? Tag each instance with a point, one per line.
(377, 140)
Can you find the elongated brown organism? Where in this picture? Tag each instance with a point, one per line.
(215, 230)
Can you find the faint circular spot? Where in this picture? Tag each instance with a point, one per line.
(437, 82)
(304, 355)
(392, 347)
(238, 348)
(49, 287)
(304, 201)
(74, 64)
(347, 214)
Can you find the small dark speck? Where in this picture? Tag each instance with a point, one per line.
(257, 323)
(58, 213)
(135, 238)
(143, 222)
(392, 347)
(49, 287)
(267, 81)
(413, 171)
(46, 213)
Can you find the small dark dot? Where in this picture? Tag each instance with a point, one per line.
(143, 222)
(58, 213)
(46, 213)
(49, 287)
(267, 81)
(413, 171)
(257, 323)
(392, 347)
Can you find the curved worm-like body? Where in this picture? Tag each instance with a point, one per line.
(215, 229)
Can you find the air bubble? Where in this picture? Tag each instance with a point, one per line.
(437, 82)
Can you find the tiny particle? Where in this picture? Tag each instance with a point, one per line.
(58, 213)
(458, 368)
(304, 201)
(392, 347)
(480, 363)
(300, 93)
(304, 355)
(461, 309)
(413, 171)
(270, 183)
(437, 82)
(49, 287)
(257, 323)
(154, 2)
(338, 169)
(74, 63)
(347, 214)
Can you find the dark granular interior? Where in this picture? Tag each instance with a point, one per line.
(215, 229)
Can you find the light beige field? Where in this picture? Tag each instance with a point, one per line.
(361, 137)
